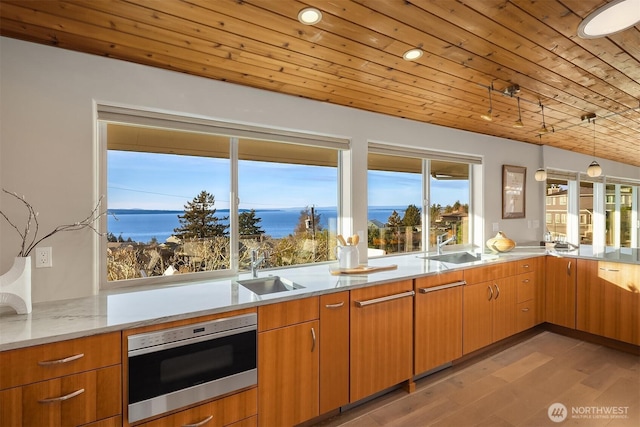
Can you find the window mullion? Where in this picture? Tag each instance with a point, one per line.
(234, 243)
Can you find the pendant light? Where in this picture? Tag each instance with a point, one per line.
(543, 129)
(594, 168)
(489, 116)
(518, 123)
(541, 173)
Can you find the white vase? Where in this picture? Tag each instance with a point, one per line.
(15, 286)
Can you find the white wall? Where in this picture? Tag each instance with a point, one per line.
(48, 146)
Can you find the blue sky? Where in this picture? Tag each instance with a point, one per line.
(162, 181)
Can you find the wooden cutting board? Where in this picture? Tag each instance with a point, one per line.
(363, 269)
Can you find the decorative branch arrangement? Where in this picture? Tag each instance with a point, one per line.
(29, 235)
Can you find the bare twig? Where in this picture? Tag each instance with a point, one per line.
(32, 216)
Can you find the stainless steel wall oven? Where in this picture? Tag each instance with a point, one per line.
(172, 368)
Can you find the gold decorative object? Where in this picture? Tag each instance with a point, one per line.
(500, 243)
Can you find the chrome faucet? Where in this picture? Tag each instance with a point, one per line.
(440, 243)
(255, 263)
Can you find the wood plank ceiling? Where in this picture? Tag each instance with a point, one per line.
(353, 57)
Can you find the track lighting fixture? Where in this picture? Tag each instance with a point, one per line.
(518, 123)
(543, 129)
(489, 116)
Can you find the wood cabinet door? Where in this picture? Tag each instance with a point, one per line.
(334, 352)
(560, 290)
(67, 401)
(381, 338)
(438, 327)
(608, 300)
(477, 321)
(504, 306)
(288, 374)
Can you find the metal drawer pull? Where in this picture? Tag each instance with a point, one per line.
(384, 299)
(490, 293)
(525, 281)
(609, 269)
(497, 290)
(569, 268)
(525, 309)
(313, 337)
(525, 266)
(62, 398)
(59, 361)
(441, 287)
(201, 423)
(336, 305)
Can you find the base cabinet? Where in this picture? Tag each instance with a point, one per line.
(381, 335)
(67, 383)
(288, 363)
(334, 352)
(608, 300)
(560, 291)
(489, 313)
(438, 320)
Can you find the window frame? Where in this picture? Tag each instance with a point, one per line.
(427, 156)
(110, 113)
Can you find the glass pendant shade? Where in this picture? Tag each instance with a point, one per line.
(594, 169)
(541, 174)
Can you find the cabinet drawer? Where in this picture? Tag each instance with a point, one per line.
(526, 286)
(219, 413)
(287, 313)
(68, 401)
(43, 362)
(526, 315)
(526, 265)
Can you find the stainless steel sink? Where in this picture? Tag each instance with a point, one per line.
(457, 258)
(269, 285)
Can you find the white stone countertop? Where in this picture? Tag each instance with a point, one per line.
(119, 309)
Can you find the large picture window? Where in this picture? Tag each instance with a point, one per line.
(184, 199)
(398, 183)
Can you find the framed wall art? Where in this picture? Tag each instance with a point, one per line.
(513, 191)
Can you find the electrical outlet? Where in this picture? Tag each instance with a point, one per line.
(496, 226)
(536, 223)
(43, 257)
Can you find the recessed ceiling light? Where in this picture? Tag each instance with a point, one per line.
(309, 16)
(611, 18)
(412, 54)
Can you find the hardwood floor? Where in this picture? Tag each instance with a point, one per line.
(516, 387)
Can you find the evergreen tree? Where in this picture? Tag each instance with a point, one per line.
(249, 224)
(200, 220)
(435, 212)
(412, 216)
(394, 219)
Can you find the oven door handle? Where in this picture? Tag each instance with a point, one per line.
(194, 340)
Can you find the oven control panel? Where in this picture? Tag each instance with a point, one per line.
(214, 327)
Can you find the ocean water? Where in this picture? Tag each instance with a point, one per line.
(143, 225)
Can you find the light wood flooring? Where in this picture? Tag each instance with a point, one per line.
(515, 388)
